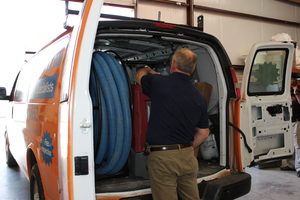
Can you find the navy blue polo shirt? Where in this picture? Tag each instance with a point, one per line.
(177, 108)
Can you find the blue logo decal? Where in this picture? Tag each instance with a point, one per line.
(47, 148)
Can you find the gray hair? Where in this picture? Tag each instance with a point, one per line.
(185, 59)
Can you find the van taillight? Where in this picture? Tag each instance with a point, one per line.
(163, 25)
(236, 83)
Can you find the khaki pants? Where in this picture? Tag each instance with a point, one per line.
(172, 172)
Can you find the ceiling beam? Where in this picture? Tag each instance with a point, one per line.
(292, 2)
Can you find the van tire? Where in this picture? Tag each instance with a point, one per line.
(36, 186)
(10, 160)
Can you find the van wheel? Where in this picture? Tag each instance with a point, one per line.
(10, 160)
(36, 187)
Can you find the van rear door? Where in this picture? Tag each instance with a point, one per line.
(265, 104)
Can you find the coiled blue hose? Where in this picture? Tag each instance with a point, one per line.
(102, 147)
(110, 95)
(123, 91)
(100, 138)
(114, 147)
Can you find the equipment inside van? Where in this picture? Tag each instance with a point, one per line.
(117, 99)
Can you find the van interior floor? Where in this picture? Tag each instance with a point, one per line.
(128, 183)
(121, 184)
(207, 168)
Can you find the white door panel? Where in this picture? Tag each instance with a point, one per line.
(266, 102)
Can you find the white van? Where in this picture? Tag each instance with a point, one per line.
(78, 120)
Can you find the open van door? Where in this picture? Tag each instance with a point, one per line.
(265, 104)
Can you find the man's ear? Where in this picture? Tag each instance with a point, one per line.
(173, 66)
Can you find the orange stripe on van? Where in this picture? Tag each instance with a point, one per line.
(237, 141)
(72, 91)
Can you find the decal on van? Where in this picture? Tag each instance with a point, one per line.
(47, 148)
(45, 88)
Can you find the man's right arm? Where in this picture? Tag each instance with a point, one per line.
(142, 72)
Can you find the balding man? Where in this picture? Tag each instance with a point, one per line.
(178, 123)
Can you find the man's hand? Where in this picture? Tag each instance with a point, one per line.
(142, 72)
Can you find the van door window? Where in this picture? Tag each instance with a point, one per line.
(22, 88)
(267, 73)
(12, 92)
(46, 71)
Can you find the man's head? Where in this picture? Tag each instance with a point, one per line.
(184, 60)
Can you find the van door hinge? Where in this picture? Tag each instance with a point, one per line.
(85, 124)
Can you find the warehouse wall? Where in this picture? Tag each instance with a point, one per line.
(239, 34)
(236, 34)
(169, 13)
(122, 2)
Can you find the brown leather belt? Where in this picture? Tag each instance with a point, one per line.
(169, 147)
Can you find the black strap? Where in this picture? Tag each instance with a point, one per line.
(243, 135)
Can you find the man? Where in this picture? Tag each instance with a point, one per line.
(296, 124)
(178, 123)
(294, 164)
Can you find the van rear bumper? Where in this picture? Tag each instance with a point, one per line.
(226, 188)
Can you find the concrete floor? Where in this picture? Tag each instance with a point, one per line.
(273, 184)
(13, 184)
(267, 184)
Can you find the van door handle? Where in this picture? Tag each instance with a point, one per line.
(85, 124)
